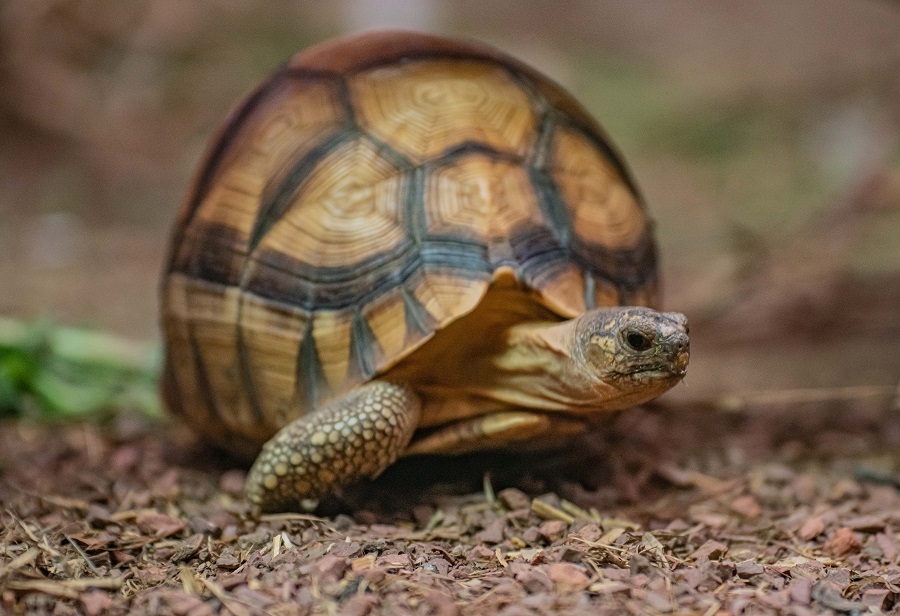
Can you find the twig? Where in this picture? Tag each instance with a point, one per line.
(488, 489)
(44, 586)
(549, 512)
(299, 517)
(233, 604)
(574, 510)
(68, 589)
(22, 560)
(84, 556)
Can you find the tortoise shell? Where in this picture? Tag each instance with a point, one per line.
(364, 197)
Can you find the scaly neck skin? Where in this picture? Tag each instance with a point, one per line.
(535, 369)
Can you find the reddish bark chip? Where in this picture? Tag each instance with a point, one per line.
(746, 506)
(534, 581)
(844, 541)
(748, 568)
(96, 602)
(711, 550)
(159, 524)
(801, 591)
(812, 527)
(359, 605)
(553, 530)
(331, 567)
(567, 576)
(493, 533)
(232, 482)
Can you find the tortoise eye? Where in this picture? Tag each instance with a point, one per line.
(638, 341)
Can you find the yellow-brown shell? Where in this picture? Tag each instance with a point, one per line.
(360, 200)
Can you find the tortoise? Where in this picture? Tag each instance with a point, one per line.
(402, 244)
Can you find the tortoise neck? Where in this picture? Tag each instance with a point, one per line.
(535, 369)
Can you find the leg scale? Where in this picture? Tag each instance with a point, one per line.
(356, 436)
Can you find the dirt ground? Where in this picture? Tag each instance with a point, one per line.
(766, 138)
(790, 507)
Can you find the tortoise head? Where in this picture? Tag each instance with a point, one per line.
(631, 354)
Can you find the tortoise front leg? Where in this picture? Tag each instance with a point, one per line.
(356, 436)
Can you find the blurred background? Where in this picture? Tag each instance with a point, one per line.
(765, 135)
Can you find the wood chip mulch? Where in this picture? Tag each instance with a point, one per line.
(762, 511)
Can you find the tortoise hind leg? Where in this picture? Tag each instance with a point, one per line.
(356, 436)
(524, 429)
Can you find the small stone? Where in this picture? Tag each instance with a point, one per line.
(228, 560)
(812, 527)
(230, 533)
(159, 524)
(801, 591)
(658, 601)
(866, 524)
(566, 553)
(553, 530)
(480, 552)
(422, 514)
(590, 533)
(839, 577)
(845, 488)
(877, 598)
(346, 549)
(124, 459)
(493, 533)
(513, 498)
(748, 569)
(202, 525)
(342, 522)
(96, 602)
(531, 535)
(442, 604)
(843, 542)
(439, 565)
(568, 577)
(232, 482)
(803, 488)
(394, 561)
(711, 550)
(889, 545)
(809, 569)
(359, 605)
(746, 506)
(331, 567)
(534, 581)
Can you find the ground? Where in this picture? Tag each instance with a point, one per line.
(765, 136)
(790, 507)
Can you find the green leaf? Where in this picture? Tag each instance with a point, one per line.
(65, 373)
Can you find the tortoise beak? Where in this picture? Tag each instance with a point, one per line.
(681, 362)
(674, 341)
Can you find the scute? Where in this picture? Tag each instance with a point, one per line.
(484, 200)
(294, 116)
(348, 209)
(426, 108)
(365, 198)
(602, 208)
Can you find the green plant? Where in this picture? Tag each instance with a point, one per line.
(53, 372)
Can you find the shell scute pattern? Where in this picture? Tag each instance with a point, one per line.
(361, 200)
(430, 107)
